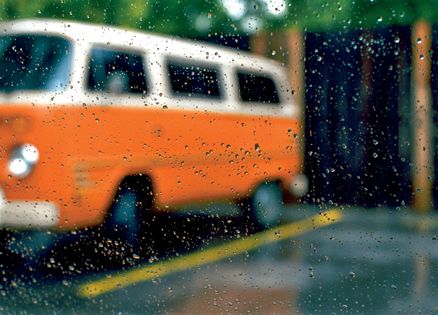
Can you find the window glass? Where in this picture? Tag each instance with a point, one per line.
(193, 80)
(142, 184)
(257, 88)
(116, 72)
(34, 62)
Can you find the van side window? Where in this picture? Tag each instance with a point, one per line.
(116, 72)
(257, 88)
(192, 80)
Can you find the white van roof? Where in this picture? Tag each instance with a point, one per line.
(112, 35)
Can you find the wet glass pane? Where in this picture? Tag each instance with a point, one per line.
(218, 157)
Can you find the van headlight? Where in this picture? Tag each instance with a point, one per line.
(23, 159)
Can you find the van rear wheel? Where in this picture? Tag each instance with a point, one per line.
(127, 220)
(264, 208)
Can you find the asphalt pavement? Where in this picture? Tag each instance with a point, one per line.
(320, 260)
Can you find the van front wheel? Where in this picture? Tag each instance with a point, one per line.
(126, 222)
(264, 208)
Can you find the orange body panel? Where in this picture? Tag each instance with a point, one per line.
(191, 156)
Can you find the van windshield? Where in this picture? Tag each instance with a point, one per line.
(34, 62)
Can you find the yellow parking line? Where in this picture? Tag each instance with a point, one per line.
(206, 256)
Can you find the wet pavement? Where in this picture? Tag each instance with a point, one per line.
(352, 261)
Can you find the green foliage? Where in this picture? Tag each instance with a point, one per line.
(202, 17)
(184, 18)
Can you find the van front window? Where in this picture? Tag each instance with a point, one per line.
(34, 62)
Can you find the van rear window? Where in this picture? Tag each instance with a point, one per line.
(257, 88)
(193, 80)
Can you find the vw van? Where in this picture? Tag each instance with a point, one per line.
(102, 126)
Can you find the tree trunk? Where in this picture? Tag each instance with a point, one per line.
(422, 173)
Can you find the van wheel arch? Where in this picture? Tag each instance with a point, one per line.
(140, 182)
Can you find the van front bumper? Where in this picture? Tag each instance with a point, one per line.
(27, 214)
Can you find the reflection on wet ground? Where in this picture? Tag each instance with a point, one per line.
(371, 262)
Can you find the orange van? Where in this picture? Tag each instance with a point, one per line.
(101, 125)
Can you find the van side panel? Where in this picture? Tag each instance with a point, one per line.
(191, 156)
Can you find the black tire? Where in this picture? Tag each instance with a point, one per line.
(127, 219)
(264, 208)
